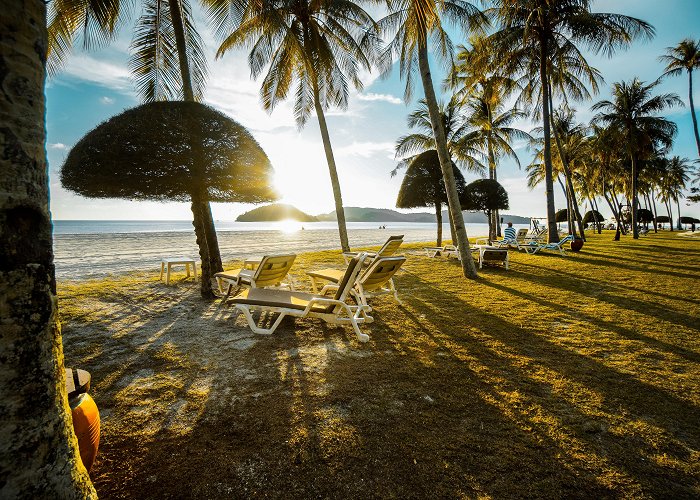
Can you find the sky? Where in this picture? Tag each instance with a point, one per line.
(95, 85)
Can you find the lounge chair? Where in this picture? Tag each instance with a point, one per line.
(334, 310)
(533, 248)
(493, 256)
(269, 273)
(446, 250)
(387, 250)
(375, 280)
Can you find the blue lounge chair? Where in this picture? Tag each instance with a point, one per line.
(533, 248)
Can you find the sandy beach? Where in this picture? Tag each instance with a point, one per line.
(91, 255)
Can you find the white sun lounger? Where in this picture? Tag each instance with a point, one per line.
(331, 309)
(375, 280)
(269, 273)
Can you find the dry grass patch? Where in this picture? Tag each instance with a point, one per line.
(568, 376)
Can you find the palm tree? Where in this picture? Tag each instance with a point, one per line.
(39, 449)
(422, 185)
(411, 22)
(459, 141)
(540, 37)
(632, 113)
(676, 178)
(317, 47)
(493, 135)
(684, 56)
(167, 62)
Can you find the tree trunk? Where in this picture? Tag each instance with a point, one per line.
(454, 205)
(215, 263)
(493, 217)
(692, 109)
(438, 216)
(679, 225)
(599, 223)
(635, 180)
(653, 204)
(39, 455)
(670, 214)
(616, 214)
(206, 275)
(335, 183)
(553, 236)
(453, 235)
(203, 222)
(574, 214)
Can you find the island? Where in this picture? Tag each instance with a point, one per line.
(275, 212)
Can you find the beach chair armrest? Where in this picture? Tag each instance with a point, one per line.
(482, 241)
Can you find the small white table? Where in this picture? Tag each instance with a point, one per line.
(167, 262)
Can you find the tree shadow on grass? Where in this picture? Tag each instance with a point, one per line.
(643, 307)
(620, 392)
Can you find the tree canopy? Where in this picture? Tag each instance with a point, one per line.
(165, 151)
(485, 195)
(422, 185)
(593, 216)
(561, 215)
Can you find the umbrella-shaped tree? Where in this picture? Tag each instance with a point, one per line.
(423, 185)
(485, 195)
(593, 216)
(171, 151)
(561, 215)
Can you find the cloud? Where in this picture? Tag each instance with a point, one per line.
(58, 145)
(365, 149)
(106, 100)
(371, 96)
(111, 74)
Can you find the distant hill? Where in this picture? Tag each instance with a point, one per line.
(357, 214)
(275, 212)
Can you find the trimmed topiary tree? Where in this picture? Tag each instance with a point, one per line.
(645, 216)
(423, 186)
(173, 151)
(690, 220)
(485, 195)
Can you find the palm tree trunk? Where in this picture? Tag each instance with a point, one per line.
(653, 204)
(616, 214)
(203, 222)
(454, 205)
(576, 215)
(39, 457)
(635, 181)
(670, 214)
(679, 226)
(335, 183)
(493, 217)
(553, 236)
(692, 109)
(438, 216)
(453, 235)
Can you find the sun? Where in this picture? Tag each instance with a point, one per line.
(289, 226)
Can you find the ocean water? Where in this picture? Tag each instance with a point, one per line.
(92, 249)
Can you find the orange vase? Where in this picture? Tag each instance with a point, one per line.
(86, 424)
(86, 416)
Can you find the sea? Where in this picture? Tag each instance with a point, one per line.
(86, 249)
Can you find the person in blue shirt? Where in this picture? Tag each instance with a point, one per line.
(509, 233)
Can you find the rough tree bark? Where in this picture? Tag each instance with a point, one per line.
(454, 205)
(38, 449)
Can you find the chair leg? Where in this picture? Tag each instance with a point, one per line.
(162, 266)
(187, 269)
(218, 284)
(194, 270)
(362, 337)
(167, 275)
(254, 327)
(395, 292)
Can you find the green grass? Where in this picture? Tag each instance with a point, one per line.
(573, 376)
